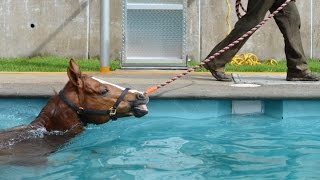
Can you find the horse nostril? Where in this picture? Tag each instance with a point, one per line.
(141, 97)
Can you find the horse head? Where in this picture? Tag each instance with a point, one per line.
(84, 99)
(97, 101)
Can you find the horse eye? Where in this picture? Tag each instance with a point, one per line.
(104, 92)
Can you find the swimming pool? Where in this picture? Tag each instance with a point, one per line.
(184, 139)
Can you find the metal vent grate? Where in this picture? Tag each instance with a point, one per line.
(154, 33)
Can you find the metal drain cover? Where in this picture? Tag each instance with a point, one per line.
(245, 85)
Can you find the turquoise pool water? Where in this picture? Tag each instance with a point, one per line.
(178, 139)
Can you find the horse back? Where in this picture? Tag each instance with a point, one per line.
(28, 146)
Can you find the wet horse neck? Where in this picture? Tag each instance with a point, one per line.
(56, 116)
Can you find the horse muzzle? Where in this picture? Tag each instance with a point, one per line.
(139, 107)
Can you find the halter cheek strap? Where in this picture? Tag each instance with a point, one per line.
(113, 109)
(82, 112)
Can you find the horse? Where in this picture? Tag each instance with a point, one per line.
(84, 99)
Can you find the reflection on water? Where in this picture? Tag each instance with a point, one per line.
(193, 147)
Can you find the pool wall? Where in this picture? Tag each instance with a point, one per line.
(292, 108)
(215, 108)
(189, 108)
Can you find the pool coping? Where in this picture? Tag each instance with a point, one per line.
(197, 85)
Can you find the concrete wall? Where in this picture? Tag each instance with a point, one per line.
(71, 28)
(60, 27)
(266, 42)
(316, 29)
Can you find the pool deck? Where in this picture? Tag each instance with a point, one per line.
(194, 85)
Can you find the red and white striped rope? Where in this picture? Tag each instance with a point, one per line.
(246, 35)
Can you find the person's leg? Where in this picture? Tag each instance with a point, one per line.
(256, 12)
(288, 21)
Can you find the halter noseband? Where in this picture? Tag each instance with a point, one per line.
(83, 112)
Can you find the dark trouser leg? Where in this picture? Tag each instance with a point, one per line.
(256, 12)
(288, 21)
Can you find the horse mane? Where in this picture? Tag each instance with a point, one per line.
(47, 112)
(52, 109)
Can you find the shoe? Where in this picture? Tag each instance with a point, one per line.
(304, 77)
(219, 75)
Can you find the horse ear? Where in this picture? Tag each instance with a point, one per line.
(74, 73)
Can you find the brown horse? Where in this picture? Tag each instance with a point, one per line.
(83, 100)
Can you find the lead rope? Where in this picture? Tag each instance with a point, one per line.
(243, 37)
(228, 17)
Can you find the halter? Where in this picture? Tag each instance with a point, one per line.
(83, 112)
